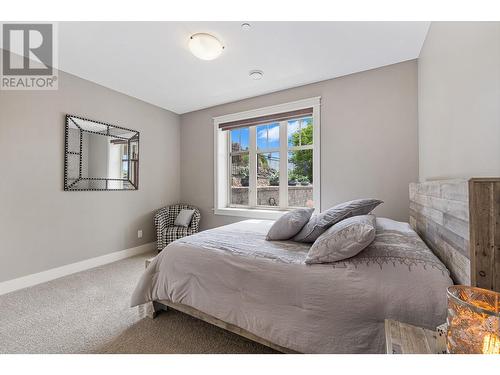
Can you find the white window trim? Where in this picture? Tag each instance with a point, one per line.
(221, 159)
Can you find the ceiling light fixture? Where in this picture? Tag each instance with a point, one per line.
(256, 74)
(205, 46)
(246, 26)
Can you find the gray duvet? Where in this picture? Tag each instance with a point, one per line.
(264, 287)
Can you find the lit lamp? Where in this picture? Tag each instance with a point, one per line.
(205, 46)
(473, 320)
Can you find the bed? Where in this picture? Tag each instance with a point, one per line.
(232, 277)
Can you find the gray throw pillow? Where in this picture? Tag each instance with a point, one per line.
(343, 240)
(321, 222)
(184, 218)
(289, 224)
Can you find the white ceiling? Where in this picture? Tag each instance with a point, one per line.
(151, 60)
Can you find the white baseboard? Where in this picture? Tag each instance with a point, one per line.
(55, 273)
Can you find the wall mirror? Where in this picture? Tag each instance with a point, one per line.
(99, 156)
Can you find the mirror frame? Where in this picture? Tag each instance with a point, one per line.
(135, 138)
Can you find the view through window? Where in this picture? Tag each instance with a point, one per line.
(270, 181)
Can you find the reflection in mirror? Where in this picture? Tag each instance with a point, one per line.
(100, 156)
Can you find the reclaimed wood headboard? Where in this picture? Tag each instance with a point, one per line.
(460, 221)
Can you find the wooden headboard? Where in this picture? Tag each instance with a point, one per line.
(460, 221)
(439, 213)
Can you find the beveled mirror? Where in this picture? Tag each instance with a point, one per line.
(100, 156)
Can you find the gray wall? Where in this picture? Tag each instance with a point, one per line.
(41, 226)
(459, 100)
(368, 140)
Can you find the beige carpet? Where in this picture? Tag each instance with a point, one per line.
(88, 312)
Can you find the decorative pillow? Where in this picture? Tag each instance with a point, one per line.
(384, 223)
(321, 222)
(184, 218)
(343, 240)
(289, 224)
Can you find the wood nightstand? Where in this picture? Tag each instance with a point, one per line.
(402, 338)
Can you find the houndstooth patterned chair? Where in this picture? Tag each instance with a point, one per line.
(166, 232)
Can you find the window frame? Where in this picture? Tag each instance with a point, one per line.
(222, 161)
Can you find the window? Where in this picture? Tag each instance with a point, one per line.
(267, 160)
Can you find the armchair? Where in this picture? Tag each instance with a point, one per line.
(166, 231)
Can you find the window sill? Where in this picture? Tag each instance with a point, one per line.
(251, 213)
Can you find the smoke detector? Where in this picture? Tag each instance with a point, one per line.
(256, 74)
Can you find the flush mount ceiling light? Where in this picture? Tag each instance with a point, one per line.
(246, 26)
(205, 46)
(256, 74)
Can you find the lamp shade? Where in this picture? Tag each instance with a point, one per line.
(205, 46)
(473, 320)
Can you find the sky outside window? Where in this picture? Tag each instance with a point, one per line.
(268, 136)
(239, 139)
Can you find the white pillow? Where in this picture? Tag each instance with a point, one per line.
(343, 240)
(384, 223)
(184, 218)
